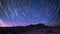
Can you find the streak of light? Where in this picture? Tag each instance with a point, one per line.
(2, 23)
(23, 13)
(54, 15)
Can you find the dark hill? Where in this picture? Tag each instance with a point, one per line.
(21, 29)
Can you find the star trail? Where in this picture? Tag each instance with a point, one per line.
(26, 12)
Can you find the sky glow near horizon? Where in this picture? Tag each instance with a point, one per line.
(26, 12)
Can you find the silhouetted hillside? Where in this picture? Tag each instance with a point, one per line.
(29, 28)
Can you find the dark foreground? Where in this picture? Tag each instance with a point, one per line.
(31, 29)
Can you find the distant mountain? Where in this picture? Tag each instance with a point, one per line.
(29, 28)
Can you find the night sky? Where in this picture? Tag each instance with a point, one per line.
(26, 12)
